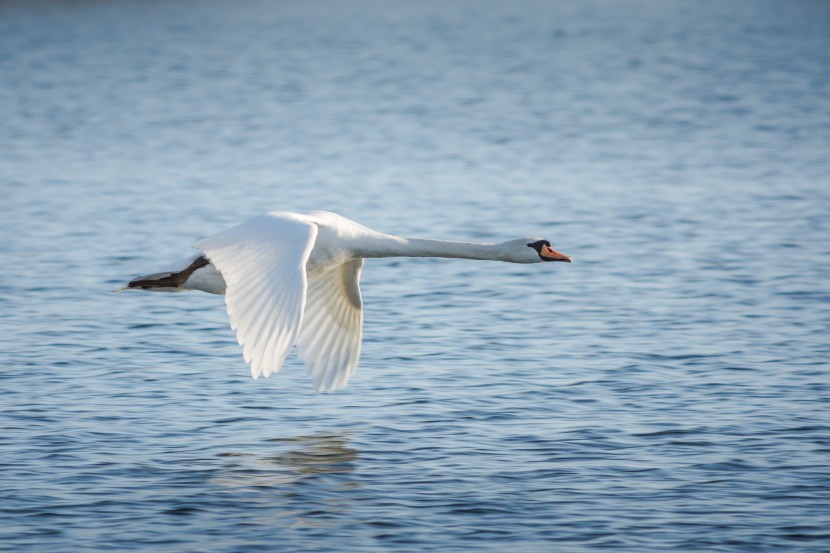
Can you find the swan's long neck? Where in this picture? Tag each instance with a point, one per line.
(384, 245)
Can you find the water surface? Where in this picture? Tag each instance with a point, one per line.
(667, 391)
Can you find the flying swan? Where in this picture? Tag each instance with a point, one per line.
(293, 280)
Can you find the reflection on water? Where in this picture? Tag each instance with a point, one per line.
(294, 459)
(303, 482)
(319, 453)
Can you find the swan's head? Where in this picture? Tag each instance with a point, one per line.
(533, 250)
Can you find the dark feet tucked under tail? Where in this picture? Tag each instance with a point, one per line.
(168, 280)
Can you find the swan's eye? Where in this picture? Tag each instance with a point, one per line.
(538, 245)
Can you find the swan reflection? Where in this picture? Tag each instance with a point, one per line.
(316, 454)
(295, 458)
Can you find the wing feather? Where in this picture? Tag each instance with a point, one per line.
(330, 336)
(263, 263)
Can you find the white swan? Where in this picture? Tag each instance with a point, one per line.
(292, 279)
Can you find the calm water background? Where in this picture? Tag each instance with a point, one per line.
(667, 391)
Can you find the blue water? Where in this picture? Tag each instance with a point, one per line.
(668, 391)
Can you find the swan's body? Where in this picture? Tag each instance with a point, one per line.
(292, 279)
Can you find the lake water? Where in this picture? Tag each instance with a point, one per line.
(668, 391)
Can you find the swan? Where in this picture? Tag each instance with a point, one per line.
(292, 279)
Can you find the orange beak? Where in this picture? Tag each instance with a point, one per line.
(549, 254)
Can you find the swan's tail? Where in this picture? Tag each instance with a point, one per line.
(169, 281)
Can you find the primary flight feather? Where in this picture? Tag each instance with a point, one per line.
(293, 279)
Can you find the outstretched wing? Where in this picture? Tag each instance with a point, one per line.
(263, 263)
(330, 336)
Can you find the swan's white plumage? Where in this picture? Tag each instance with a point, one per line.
(292, 279)
(330, 336)
(263, 262)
